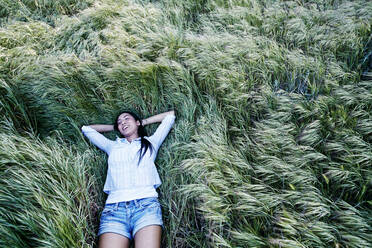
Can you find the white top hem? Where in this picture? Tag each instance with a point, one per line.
(131, 194)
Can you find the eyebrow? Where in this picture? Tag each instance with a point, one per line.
(125, 115)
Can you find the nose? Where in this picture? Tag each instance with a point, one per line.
(124, 124)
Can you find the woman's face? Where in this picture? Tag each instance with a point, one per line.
(127, 125)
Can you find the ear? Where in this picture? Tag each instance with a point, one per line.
(138, 123)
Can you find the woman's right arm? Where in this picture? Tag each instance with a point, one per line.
(102, 128)
(92, 133)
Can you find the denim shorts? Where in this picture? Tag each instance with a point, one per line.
(127, 217)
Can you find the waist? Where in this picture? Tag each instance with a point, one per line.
(124, 195)
(132, 203)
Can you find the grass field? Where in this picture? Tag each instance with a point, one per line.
(272, 145)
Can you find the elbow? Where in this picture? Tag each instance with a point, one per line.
(84, 128)
(172, 114)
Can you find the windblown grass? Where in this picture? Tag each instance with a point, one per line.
(47, 192)
(46, 10)
(272, 142)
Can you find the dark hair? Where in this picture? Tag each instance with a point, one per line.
(145, 144)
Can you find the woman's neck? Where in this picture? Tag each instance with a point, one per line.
(132, 137)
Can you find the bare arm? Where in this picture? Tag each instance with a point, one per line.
(102, 128)
(153, 119)
(157, 118)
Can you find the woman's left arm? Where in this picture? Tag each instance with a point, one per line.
(167, 120)
(157, 118)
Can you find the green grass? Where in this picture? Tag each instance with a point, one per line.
(46, 10)
(272, 141)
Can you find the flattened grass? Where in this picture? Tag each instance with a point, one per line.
(272, 143)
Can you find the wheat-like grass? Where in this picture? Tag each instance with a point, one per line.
(272, 143)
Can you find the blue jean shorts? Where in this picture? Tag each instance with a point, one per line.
(127, 217)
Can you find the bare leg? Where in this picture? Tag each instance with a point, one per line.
(148, 237)
(112, 240)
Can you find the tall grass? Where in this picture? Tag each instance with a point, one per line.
(46, 10)
(272, 143)
(47, 193)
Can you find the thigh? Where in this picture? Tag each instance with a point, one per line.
(147, 213)
(113, 240)
(148, 237)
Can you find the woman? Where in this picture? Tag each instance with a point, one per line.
(132, 208)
